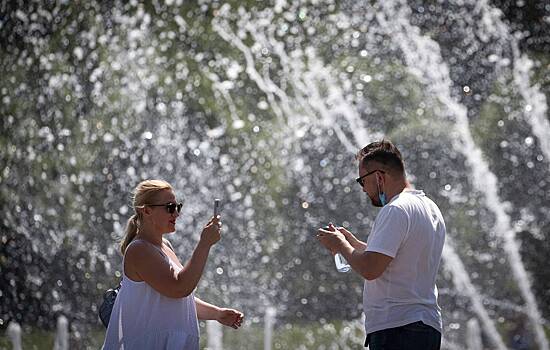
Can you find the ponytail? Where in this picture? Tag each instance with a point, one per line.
(131, 232)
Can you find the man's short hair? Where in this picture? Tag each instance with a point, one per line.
(383, 152)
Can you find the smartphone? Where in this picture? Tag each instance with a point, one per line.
(216, 207)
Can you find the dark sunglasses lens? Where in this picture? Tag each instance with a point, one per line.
(171, 208)
(178, 207)
(359, 181)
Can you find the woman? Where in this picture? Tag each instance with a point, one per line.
(156, 307)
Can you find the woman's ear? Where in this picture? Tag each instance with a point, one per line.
(147, 211)
(144, 211)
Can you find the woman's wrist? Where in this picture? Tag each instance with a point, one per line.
(218, 313)
(203, 244)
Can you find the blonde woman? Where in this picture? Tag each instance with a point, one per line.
(156, 307)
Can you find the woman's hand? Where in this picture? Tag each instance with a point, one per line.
(230, 317)
(211, 233)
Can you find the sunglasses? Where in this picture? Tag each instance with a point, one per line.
(360, 179)
(170, 207)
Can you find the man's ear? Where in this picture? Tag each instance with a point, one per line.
(380, 179)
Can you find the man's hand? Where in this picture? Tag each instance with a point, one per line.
(355, 243)
(332, 239)
(230, 317)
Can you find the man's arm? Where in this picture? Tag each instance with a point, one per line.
(370, 265)
(354, 241)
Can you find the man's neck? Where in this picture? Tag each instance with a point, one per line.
(398, 189)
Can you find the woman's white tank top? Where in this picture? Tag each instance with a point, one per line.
(142, 318)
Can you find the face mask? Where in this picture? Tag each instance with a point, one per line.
(381, 195)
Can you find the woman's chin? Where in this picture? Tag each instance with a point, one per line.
(170, 229)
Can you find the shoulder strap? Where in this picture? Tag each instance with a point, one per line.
(167, 242)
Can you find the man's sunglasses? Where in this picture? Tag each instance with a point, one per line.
(170, 207)
(360, 179)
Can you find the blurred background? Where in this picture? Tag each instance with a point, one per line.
(264, 104)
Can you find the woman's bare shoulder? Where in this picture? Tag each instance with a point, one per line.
(140, 249)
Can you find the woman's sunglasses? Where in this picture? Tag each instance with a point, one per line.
(170, 207)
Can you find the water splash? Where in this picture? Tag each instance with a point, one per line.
(536, 107)
(423, 57)
(304, 79)
(473, 335)
(453, 263)
(116, 66)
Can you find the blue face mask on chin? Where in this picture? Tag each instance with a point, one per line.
(382, 197)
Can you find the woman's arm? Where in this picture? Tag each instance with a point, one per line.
(227, 317)
(153, 268)
(206, 311)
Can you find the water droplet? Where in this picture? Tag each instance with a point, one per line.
(263, 105)
(79, 53)
(238, 124)
(108, 138)
(366, 78)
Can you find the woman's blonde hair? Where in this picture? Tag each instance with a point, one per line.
(144, 193)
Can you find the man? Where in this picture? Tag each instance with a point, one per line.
(401, 257)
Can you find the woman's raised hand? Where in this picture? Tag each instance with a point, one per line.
(211, 233)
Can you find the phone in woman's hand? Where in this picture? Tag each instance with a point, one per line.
(216, 207)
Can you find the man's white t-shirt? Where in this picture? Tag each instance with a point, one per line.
(411, 230)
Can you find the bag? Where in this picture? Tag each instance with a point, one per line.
(106, 306)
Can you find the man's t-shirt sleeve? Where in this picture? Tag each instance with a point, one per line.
(389, 231)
